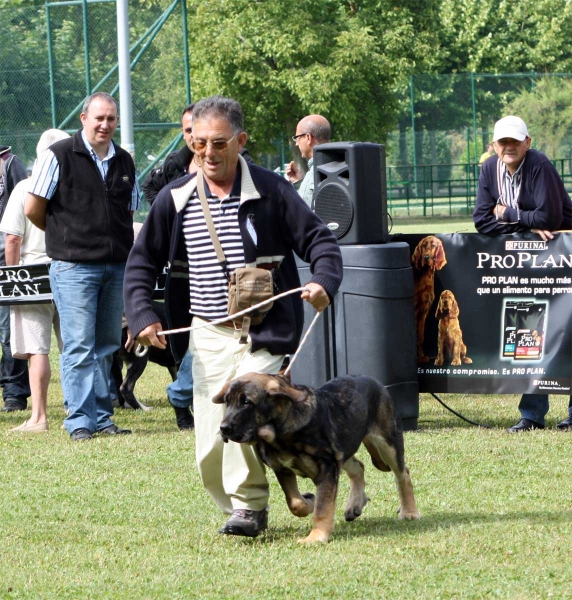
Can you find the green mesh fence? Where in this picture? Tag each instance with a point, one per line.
(53, 55)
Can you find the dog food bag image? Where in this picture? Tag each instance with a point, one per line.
(530, 327)
(509, 322)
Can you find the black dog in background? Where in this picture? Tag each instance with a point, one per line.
(136, 364)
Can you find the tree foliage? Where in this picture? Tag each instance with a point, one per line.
(347, 59)
(283, 61)
(547, 110)
(504, 36)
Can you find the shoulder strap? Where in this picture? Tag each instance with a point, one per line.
(209, 221)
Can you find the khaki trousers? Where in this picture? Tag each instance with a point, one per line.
(232, 473)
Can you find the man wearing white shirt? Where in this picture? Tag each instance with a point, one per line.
(31, 324)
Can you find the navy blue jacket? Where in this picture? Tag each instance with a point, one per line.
(284, 224)
(543, 202)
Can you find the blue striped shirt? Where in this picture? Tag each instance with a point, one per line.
(46, 173)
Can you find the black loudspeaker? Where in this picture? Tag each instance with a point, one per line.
(350, 191)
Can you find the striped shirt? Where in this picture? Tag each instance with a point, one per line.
(46, 173)
(208, 284)
(509, 185)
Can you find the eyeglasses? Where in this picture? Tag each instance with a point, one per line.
(295, 137)
(200, 145)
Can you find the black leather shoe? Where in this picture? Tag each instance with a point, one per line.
(524, 425)
(81, 434)
(185, 420)
(14, 404)
(114, 430)
(246, 522)
(566, 424)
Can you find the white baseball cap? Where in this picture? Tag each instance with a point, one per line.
(510, 127)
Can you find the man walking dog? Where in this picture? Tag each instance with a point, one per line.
(260, 221)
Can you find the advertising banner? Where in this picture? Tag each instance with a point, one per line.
(493, 313)
(30, 284)
(25, 284)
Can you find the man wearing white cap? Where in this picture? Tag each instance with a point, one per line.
(520, 190)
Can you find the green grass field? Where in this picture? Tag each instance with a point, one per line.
(128, 518)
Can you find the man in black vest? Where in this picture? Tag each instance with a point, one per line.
(83, 194)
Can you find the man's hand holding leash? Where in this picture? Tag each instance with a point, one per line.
(316, 295)
(148, 337)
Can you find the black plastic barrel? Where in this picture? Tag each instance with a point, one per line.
(370, 329)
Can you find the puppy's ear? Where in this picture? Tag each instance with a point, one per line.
(439, 313)
(416, 258)
(219, 398)
(286, 393)
(440, 260)
(285, 376)
(454, 310)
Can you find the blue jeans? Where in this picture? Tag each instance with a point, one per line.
(89, 298)
(180, 392)
(535, 407)
(13, 371)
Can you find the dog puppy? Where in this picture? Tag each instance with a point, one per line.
(450, 337)
(315, 433)
(428, 257)
(136, 365)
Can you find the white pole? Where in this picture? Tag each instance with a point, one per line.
(123, 59)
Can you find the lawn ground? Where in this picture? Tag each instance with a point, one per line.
(128, 518)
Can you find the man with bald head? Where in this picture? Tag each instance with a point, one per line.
(310, 131)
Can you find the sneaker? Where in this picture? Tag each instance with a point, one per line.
(12, 404)
(185, 420)
(246, 522)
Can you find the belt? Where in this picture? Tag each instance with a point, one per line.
(241, 325)
(231, 324)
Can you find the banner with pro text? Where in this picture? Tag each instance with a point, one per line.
(30, 284)
(25, 284)
(493, 313)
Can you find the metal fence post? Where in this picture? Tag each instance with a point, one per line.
(86, 50)
(412, 99)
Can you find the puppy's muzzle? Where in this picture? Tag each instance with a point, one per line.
(229, 434)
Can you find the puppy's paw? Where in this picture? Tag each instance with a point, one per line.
(304, 506)
(355, 506)
(316, 536)
(411, 514)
